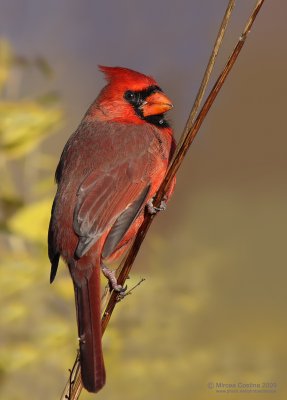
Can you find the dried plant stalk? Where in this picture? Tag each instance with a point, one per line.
(207, 72)
(74, 385)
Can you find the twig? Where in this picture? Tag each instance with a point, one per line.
(74, 385)
(207, 72)
(190, 131)
(122, 295)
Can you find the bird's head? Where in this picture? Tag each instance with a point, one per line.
(130, 97)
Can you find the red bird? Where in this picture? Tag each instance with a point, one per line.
(110, 169)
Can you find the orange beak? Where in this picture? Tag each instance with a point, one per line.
(156, 103)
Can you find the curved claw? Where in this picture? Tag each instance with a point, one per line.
(119, 288)
(122, 293)
(152, 209)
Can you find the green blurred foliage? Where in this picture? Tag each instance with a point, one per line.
(28, 330)
(24, 125)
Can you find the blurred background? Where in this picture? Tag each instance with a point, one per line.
(213, 306)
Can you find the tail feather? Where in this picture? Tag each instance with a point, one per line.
(88, 303)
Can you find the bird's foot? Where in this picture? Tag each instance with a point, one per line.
(151, 209)
(110, 275)
(122, 295)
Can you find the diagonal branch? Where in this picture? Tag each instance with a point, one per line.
(73, 387)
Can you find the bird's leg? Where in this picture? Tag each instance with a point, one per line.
(110, 275)
(151, 209)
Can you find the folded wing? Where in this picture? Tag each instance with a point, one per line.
(108, 202)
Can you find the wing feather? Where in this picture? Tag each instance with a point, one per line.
(109, 201)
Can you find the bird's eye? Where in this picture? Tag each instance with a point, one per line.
(130, 96)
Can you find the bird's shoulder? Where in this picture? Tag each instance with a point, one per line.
(102, 145)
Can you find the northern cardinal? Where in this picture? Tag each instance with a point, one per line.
(110, 169)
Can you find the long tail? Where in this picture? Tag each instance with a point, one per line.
(88, 303)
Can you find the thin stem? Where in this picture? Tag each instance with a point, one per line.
(208, 70)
